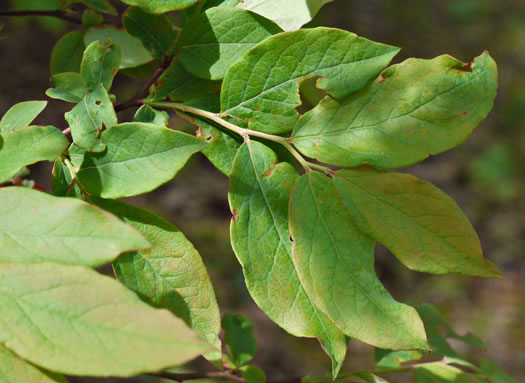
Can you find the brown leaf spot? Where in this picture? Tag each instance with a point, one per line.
(235, 215)
(160, 84)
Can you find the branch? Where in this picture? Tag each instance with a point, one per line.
(136, 100)
(228, 375)
(58, 14)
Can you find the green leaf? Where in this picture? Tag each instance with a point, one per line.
(496, 374)
(289, 15)
(161, 6)
(72, 320)
(414, 109)
(155, 31)
(259, 194)
(103, 6)
(149, 115)
(90, 18)
(21, 115)
(335, 263)
(16, 370)
(438, 330)
(253, 374)
(170, 274)
(393, 359)
(89, 117)
(69, 87)
(216, 38)
(254, 91)
(219, 3)
(419, 223)
(67, 53)
(132, 51)
(180, 85)
(441, 373)
(369, 377)
(62, 181)
(100, 64)
(37, 227)
(238, 338)
(139, 158)
(28, 145)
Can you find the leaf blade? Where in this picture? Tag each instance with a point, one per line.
(21, 115)
(15, 370)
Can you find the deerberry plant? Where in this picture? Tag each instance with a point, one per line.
(310, 194)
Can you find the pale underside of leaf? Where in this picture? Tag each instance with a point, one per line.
(412, 110)
(170, 274)
(262, 88)
(259, 194)
(335, 263)
(419, 223)
(16, 370)
(139, 158)
(36, 227)
(75, 321)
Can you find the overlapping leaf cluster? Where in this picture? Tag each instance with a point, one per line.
(303, 232)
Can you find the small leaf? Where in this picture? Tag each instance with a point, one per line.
(37, 227)
(259, 195)
(100, 64)
(368, 377)
(180, 85)
(170, 274)
(89, 117)
(419, 223)
(28, 145)
(103, 6)
(149, 115)
(16, 370)
(155, 31)
(238, 338)
(335, 263)
(67, 53)
(90, 18)
(156, 6)
(267, 98)
(132, 51)
(62, 181)
(69, 87)
(496, 374)
(289, 15)
(139, 158)
(216, 38)
(72, 320)
(393, 359)
(412, 110)
(441, 373)
(253, 374)
(21, 115)
(219, 3)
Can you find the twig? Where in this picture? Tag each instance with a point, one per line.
(199, 375)
(136, 99)
(58, 14)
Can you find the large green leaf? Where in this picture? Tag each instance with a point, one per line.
(289, 15)
(239, 338)
(28, 145)
(21, 115)
(161, 6)
(69, 87)
(260, 190)
(414, 109)
(216, 38)
(155, 31)
(37, 227)
(132, 51)
(100, 64)
(67, 53)
(335, 263)
(255, 91)
(180, 85)
(419, 223)
(16, 370)
(89, 117)
(139, 158)
(170, 274)
(72, 320)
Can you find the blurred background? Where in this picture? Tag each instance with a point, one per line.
(485, 175)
